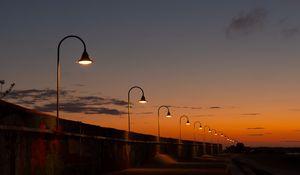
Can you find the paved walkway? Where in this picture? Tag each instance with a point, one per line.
(163, 164)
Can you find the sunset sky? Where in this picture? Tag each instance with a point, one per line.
(232, 65)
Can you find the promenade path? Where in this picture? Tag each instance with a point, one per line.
(163, 164)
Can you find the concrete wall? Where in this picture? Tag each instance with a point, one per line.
(29, 145)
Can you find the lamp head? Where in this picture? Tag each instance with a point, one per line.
(188, 122)
(200, 127)
(209, 130)
(85, 59)
(168, 114)
(143, 100)
(216, 134)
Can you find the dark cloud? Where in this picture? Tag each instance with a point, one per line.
(247, 23)
(44, 100)
(78, 107)
(35, 95)
(251, 114)
(215, 107)
(256, 135)
(256, 128)
(290, 32)
(104, 111)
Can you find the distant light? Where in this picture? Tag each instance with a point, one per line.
(200, 127)
(209, 131)
(188, 123)
(143, 100)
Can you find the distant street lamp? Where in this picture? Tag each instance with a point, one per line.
(84, 60)
(187, 123)
(200, 127)
(142, 100)
(168, 116)
(213, 133)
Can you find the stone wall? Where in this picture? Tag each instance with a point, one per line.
(30, 145)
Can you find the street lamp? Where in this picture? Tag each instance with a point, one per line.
(84, 60)
(187, 123)
(205, 130)
(200, 127)
(168, 116)
(142, 100)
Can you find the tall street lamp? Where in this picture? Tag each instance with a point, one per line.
(200, 127)
(187, 123)
(168, 116)
(84, 60)
(142, 100)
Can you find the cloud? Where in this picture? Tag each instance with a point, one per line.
(215, 107)
(247, 23)
(257, 128)
(256, 135)
(44, 100)
(249, 114)
(290, 32)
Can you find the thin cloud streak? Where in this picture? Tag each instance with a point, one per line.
(256, 128)
(255, 135)
(250, 114)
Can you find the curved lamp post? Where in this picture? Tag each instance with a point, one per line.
(200, 127)
(187, 123)
(168, 116)
(84, 60)
(142, 100)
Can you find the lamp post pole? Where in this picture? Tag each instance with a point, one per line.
(158, 124)
(187, 123)
(142, 100)
(84, 60)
